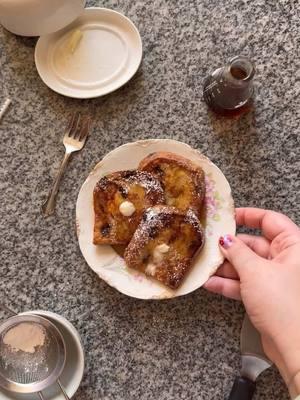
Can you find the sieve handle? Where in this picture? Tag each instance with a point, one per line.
(62, 390)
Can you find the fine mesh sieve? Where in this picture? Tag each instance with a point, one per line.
(32, 354)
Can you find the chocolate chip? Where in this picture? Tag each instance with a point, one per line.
(158, 170)
(103, 182)
(165, 219)
(128, 174)
(153, 232)
(105, 229)
(174, 281)
(123, 192)
(146, 258)
(144, 218)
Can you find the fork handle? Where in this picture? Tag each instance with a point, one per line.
(49, 206)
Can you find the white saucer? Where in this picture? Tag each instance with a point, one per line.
(74, 367)
(103, 259)
(107, 56)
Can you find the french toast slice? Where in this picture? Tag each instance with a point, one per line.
(120, 200)
(182, 180)
(164, 244)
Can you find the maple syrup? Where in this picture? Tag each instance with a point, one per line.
(228, 90)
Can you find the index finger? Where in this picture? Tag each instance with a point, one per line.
(271, 223)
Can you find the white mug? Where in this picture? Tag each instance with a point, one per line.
(38, 17)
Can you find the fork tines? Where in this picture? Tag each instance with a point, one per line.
(78, 127)
(85, 127)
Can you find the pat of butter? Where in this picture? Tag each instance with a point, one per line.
(150, 269)
(127, 208)
(159, 252)
(74, 40)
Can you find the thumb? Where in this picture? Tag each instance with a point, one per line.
(242, 258)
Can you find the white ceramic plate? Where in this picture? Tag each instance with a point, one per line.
(74, 367)
(107, 56)
(111, 267)
(36, 18)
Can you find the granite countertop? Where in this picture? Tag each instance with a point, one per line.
(186, 348)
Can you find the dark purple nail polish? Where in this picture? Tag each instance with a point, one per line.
(225, 241)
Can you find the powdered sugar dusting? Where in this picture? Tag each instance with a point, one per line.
(123, 194)
(137, 284)
(151, 213)
(192, 219)
(146, 180)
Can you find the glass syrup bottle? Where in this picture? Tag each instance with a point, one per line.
(228, 90)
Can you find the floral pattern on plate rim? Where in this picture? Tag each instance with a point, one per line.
(213, 204)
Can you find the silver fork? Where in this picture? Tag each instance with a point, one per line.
(74, 140)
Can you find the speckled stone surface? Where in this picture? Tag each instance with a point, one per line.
(187, 348)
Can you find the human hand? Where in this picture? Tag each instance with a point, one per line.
(264, 271)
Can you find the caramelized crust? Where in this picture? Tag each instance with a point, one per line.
(137, 187)
(182, 181)
(179, 235)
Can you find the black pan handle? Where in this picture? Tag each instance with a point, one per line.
(243, 389)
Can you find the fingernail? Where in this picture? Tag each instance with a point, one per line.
(225, 241)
